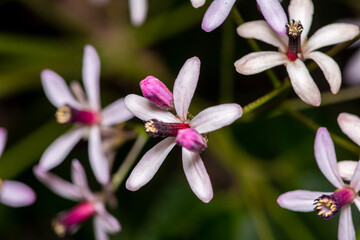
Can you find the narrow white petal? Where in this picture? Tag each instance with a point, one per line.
(3, 136)
(138, 11)
(216, 14)
(149, 164)
(331, 34)
(350, 125)
(274, 15)
(260, 30)
(299, 200)
(197, 175)
(330, 69)
(79, 178)
(347, 169)
(257, 62)
(302, 10)
(352, 70)
(60, 148)
(357, 202)
(197, 3)
(216, 117)
(185, 85)
(98, 161)
(302, 83)
(145, 110)
(346, 229)
(355, 180)
(115, 113)
(326, 157)
(91, 76)
(16, 194)
(56, 90)
(99, 231)
(107, 221)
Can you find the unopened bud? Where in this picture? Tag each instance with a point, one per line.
(157, 93)
(190, 139)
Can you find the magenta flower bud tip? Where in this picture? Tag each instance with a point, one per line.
(190, 139)
(157, 93)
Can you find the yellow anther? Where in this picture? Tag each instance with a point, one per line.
(59, 228)
(294, 28)
(63, 114)
(150, 127)
(321, 212)
(1, 183)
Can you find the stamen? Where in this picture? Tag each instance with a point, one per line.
(63, 115)
(59, 228)
(1, 183)
(157, 128)
(67, 114)
(293, 31)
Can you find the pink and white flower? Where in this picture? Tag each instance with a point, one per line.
(91, 204)
(179, 129)
(327, 204)
(295, 48)
(87, 115)
(14, 193)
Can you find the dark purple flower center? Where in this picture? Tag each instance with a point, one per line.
(67, 114)
(293, 31)
(157, 128)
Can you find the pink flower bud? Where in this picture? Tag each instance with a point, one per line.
(190, 139)
(157, 93)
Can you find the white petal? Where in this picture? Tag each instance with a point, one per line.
(260, 30)
(98, 161)
(355, 180)
(302, 10)
(99, 231)
(257, 62)
(274, 15)
(91, 76)
(115, 113)
(346, 229)
(357, 202)
(331, 34)
(302, 83)
(216, 14)
(185, 85)
(350, 125)
(56, 90)
(58, 185)
(197, 175)
(197, 3)
(107, 221)
(330, 69)
(145, 110)
(326, 157)
(138, 11)
(347, 169)
(216, 117)
(352, 70)
(60, 148)
(78, 177)
(3, 136)
(299, 200)
(149, 164)
(16, 194)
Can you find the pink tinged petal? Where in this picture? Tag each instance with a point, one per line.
(149, 164)
(350, 125)
(326, 157)
(260, 30)
(58, 185)
(346, 229)
(115, 113)
(56, 90)
(216, 117)
(138, 11)
(3, 136)
(331, 34)
(16, 194)
(197, 175)
(91, 76)
(302, 10)
(299, 200)
(302, 83)
(330, 69)
(355, 180)
(257, 62)
(352, 70)
(145, 110)
(60, 148)
(197, 3)
(185, 85)
(357, 202)
(347, 169)
(274, 15)
(78, 177)
(216, 14)
(98, 161)
(106, 220)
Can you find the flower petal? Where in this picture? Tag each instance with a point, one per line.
(303, 84)
(91, 76)
(138, 11)
(216, 117)
(115, 113)
(331, 34)
(357, 202)
(346, 229)
(350, 125)
(197, 3)
(98, 161)
(352, 70)
(107, 221)
(330, 69)
(274, 15)
(197, 175)
(326, 157)
(216, 14)
(355, 180)
(149, 164)
(260, 30)
(145, 110)
(185, 85)
(101, 228)
(347, 169)
(56, 90)
(299, 200)
(3, 136)
(60, 148)
(78, 177)
(302, 10)
(16, 194)
(259, 61)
